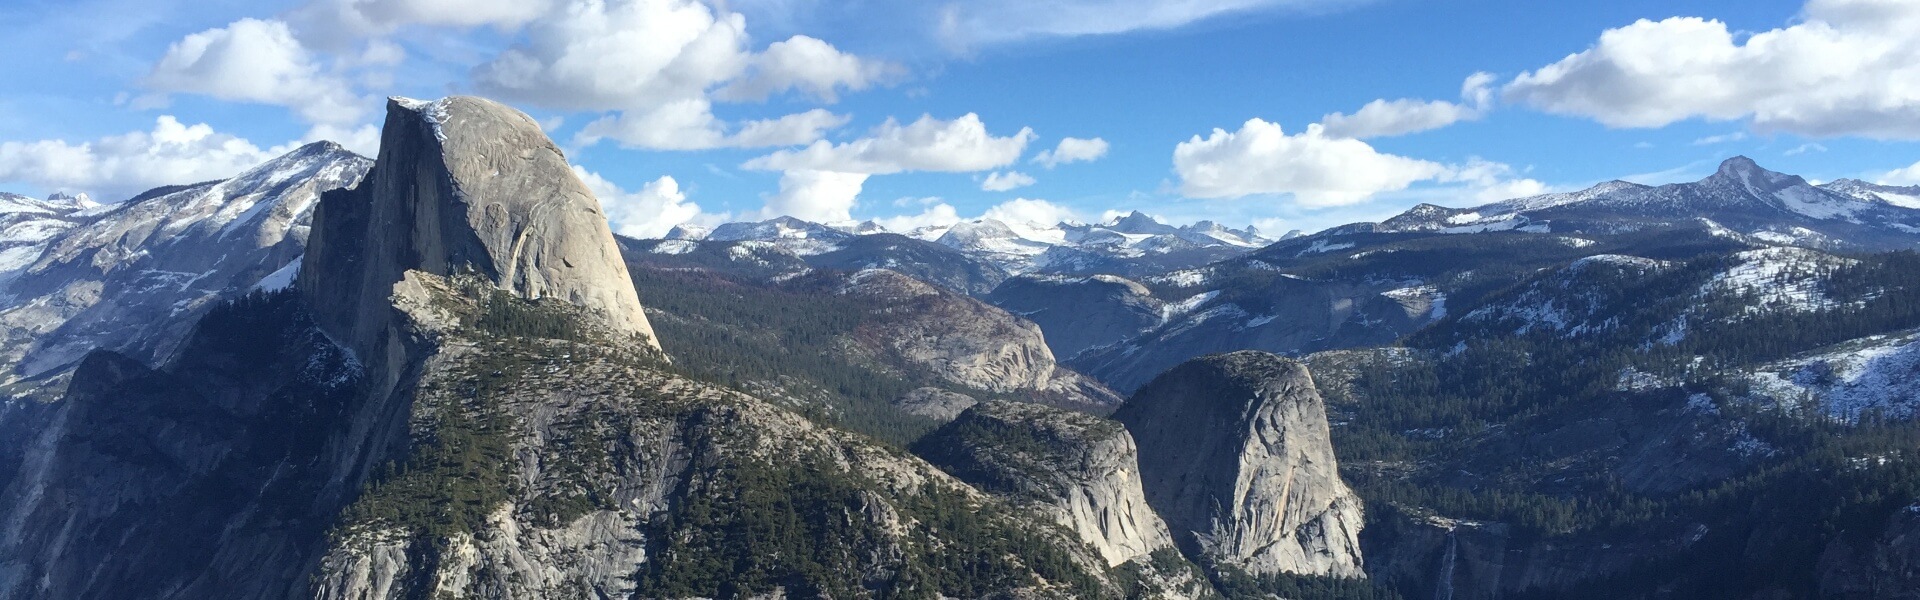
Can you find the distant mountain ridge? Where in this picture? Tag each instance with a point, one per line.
(133, 276)
(1741, 197)
(1065, 247)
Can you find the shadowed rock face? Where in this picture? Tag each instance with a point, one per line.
(963, 341)
(464, 185)
(1080, 313)
(1235, 455)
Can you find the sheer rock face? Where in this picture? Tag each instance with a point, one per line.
(969, 342)
(1079, 469)
(1235, 455)
(464, 185)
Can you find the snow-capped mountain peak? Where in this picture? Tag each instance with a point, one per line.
(689, 231)
(859, 227)
(1141, 223)
(1745, 169)
(79, 201)
(1012, 246)
(778, 228)
(993, 237)
(1742, 173)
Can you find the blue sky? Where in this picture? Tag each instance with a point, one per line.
(863, 105)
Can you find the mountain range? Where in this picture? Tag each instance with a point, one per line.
(438, 373)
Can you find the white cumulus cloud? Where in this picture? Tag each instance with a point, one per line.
(1028, 211)
(117, 167)
(259, 61)
(1386, 118)
(1905, 176)
(1316, 169)
(1845, 68)
(661, 64)
(690, 125)
(655, 69)
(961, 145)
(939, 214)
(807, 65)
(619, 54)
(339, 21)
(1490, 181)
(648, 213)
(818, 196)
(1072, 150)
(998, 181)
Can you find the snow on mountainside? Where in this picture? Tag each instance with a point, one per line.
(131, 277)
(26, 224)
(1904, 197)
(799, 237)
(1589, 296)
(1849, 380)
(1787, 279)
(1570, 302)
(1134, 244)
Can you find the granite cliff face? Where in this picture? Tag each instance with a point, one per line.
(576, 467)
(464, 185)
(1081, 313)
(1081, 469)
(1235, 455)
(963, 341)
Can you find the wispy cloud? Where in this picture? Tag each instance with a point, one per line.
(1721, 139)
(965, 25)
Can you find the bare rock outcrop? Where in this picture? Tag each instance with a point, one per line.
(963, 341)
(1235, 454)
(464, 185)
(935, 403)
(1079, 469)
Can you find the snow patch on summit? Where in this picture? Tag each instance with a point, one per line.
(434, 111)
